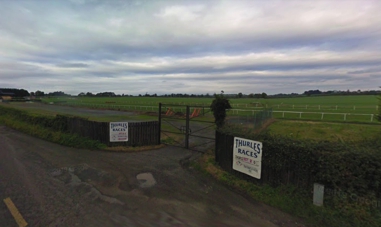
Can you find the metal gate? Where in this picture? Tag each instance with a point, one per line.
(191, 127)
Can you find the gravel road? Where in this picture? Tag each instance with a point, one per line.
(52, 185)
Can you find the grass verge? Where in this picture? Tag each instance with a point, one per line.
(65, 139)
(134, 149)
(291, 200)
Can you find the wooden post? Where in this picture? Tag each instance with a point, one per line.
(159, 132)
(187, 129)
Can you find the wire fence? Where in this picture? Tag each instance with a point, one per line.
(255, 120)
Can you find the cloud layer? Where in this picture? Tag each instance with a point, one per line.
(196, 47)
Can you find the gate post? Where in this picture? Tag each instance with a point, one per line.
(187, 129)
(158, 141)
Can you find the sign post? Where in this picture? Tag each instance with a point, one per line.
(118, 131)
(247, 157)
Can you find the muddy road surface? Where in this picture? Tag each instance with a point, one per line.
(52, 185)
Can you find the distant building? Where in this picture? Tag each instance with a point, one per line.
(5, 98)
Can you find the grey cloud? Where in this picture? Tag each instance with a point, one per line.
(100, 44)
(73, 65)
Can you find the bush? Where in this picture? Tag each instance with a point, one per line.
(351, 168)
(219, 106)
(54, 129)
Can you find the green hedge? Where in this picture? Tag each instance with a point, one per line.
(344, 167)
(54, 129)
(58, 122)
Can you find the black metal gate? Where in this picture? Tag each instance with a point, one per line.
(191, 127)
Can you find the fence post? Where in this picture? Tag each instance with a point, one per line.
(187, 129)
(158, 140)
(322, 116)
(371, 118)
(345, 117)
(283, 114)
(300, 116)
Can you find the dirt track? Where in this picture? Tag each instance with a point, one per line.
(52, 185)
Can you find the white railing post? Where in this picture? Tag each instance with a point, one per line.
(283, 115)
(322, 116)
(300, 115)
(345, 117)
(371, 118)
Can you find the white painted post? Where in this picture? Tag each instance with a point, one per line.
(300, 116)
(322, 116)
(318, 195)
(345, 117)
(371, 117)
(283, 115)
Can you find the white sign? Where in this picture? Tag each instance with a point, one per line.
(118, 131)
(247, 157)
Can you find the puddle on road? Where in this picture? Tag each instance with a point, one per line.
(146, 180)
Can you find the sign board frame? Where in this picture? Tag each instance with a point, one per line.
(118, 131)
(247, 157)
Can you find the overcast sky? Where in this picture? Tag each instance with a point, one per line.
(134, 47)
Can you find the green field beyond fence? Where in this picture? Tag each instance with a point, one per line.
(361, 108)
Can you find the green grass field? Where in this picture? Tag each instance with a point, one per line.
(361, 108)
(304, 124)
(324, 130)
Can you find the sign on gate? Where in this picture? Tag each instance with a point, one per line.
(247, 157)
(118, 131)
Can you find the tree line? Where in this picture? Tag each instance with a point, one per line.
(13, 92)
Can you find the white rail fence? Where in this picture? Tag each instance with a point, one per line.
(318, 107)
(299, 114)
(128, 107)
